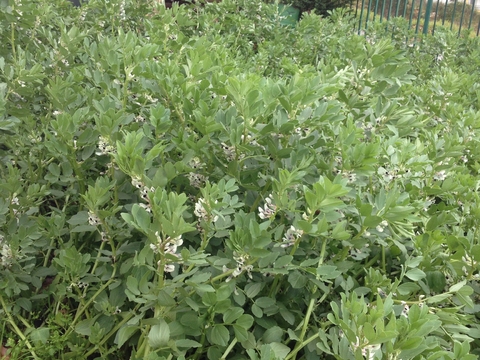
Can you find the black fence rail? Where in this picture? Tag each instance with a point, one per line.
(422, 15)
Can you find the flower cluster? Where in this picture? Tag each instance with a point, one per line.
(93, 219)
(368, 351)
(268, 210)
(202, 212)
(240, 268)
(229, 152)
(169, 246)
(381, 227)
(291, 236)
(104, 147)
(6, 254)
(440, 175)
(196, 180)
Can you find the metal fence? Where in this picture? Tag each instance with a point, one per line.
(422, 15)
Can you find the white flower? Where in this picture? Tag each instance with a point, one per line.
(168, 268)
(291, 236)
(380, 227)
(144, 192)
(139, 119)
(154, 248)
(369, 351)
(229, 152)
(104, 147)
(202, 213)
(268, 210)
(93, 219)
(240, 268)
(171, 245)
(6, 255)
(137, 182)
(405, 310)
(440, 175)
(147, 207)
(196, 180)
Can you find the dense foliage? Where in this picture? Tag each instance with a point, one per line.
(205, 183)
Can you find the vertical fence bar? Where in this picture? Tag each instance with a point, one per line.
(478, 28)
(436, 15)
(389, 9)
(461, 17)
(405, 9)
(361, 16)
(368, 14)
(428, 11)
(398, 8)
(383, 10)
(418, 17)
(453, 15)
(411, 15)
(471, 15)
(444, 12)
(375, 10)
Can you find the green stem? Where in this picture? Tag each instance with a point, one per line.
(228, 349)
(102, 245)
(19, 332)
(199, 350)
(82, 309)
(305, 343)
(12, 40)
(300, 343)
(113, 331)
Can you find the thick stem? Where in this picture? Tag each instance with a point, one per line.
(228, 349)
(17, 330)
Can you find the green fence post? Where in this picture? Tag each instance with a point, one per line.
(436, 15)
(389, 9)
(428, 11)
(411, 15)
(383, 10)
(405, 8)
(368, 14)
(419, 17)
(398, 8)
(375, 10)
(461, 18)
(453, 15)
(444, 12)
(471, 15)
(361, 16)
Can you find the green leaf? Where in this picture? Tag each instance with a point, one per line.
(84, 327)
(438, 298)
(219, 335)
(252, 289)
(273, 334)
(297, 280)
(187, 343)
(232, 314)
(124, 334)
(159, 335)
(245, 321)
(415, 274)
(40, 335)
(132, 285)
(264, 302)
(407, 288)
(458, 286)
(328, 272)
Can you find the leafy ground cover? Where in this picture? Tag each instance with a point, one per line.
(204, 183)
